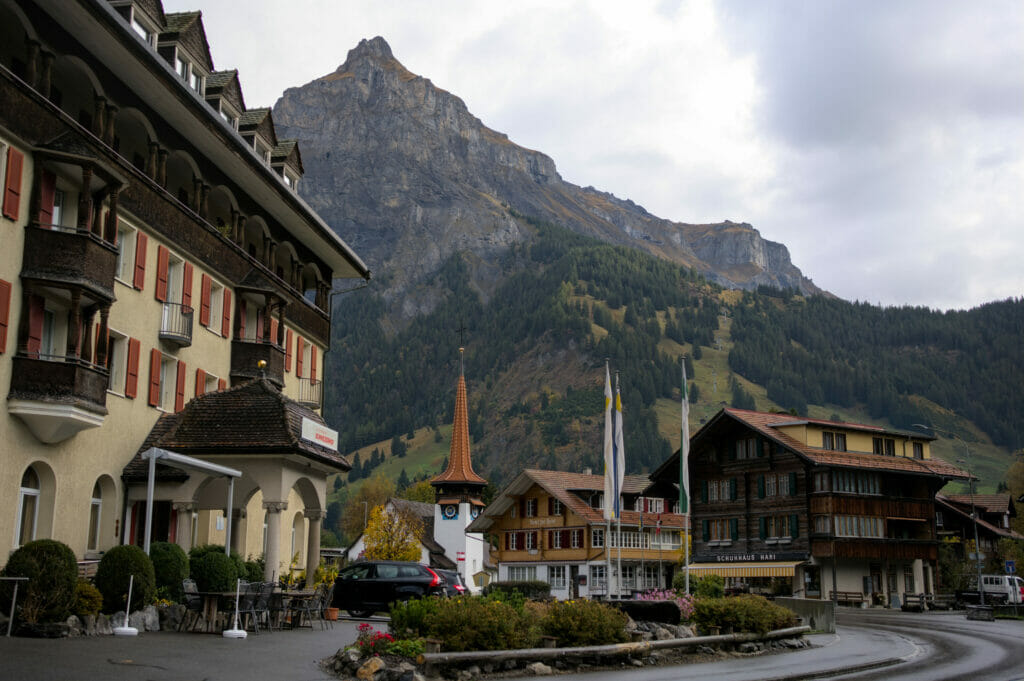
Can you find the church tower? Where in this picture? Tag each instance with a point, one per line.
(458, 493)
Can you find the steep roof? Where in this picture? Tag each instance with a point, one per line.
(566, 487)
(953, 504)
(186, 28)
(770, 424)
(991, 503)
(253, 418)
(460, 464)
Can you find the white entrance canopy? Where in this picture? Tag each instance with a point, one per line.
(181, 461)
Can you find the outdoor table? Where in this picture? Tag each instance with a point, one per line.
(291, 598)
(211, 603)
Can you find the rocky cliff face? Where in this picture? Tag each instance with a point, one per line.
(407, 176)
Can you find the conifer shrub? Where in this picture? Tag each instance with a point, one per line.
(213, 571)
(710, 586)
(465, 623)
(584, 623)
(170, 565)
(742, 614)
(113, 575)
(49, 594)
(88, 599)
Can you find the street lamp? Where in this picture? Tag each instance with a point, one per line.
(974, 514)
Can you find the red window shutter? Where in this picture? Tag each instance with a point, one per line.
(12, 186)
(300, 349)
(47, 188)
(186, 286)
(222, 384)
(521, 540)
(139, 282)
(565, 539)
(36, 305)
(259, 325)
(551, 505)
(5, 312)
(131, 381)
(273, 330)
(162, 259)
(205, 285)
(241, 318)
(154, 377)
(508, 540)
(312, 362)
(200, 382)
(536, 540)
(287, 349)
(225, 322)
(179, 389)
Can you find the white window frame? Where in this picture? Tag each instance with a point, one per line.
(95, 518)
(216, 306)
(531, 540)
(522, 573)
(597, 538)
(168, 382)
(556, 507)
(576, 539)
(117, 361)
(556, 539)
(598, 577)
(3, 164)
(556, 576)
(531, 504)
(24, 493)
(513, 542)
(127, 238)
(655, 505)
(212, 384)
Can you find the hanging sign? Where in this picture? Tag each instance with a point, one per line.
(319, 433)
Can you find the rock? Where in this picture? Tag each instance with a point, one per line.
(750, 647)
(663, 634)
(465, 675)
(474, 670)
(411, 676)
(636, 662)
(705, 650)
(538, 668)
(75, 626)
(137, 619)
(151, 618)
(653, 658)
(511, 664)
(103, 626)
(171, 616)
(369, 668)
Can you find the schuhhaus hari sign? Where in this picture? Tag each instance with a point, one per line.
(320, 434)
(761, 557)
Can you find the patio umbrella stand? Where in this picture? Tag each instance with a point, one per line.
(126, 630)
(235, 632)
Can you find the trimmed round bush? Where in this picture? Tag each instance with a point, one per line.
(239, 563)
(170, 565)
(49, 594)
(113, 575)
(584, 623)
(214, 572)
(254, 571)
(742, 614)
(88, 599)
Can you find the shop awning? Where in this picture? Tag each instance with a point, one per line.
(773, 569)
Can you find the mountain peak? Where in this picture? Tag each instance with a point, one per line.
(374, 47)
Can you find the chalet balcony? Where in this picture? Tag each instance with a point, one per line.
(176, 324)
(311, 392)
(246, 358)
(57, 396)
(70, 257)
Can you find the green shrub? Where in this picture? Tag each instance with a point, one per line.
(584, 623)
(214, 571)
(112, 577)
(746, 613)
(534, 590)
(409, 647)
(170, 565)
(465, 623)
(254, 570)
(199, 551)
(49, 594)
(88, 599)
(710, 586)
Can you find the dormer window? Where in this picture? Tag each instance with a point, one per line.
(182, 67)
(142, 26)
(229, 119)
(189, 73)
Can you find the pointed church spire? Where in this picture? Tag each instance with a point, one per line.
(460, 465)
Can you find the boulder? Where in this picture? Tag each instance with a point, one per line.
(538, 669)
(369, 668)
(103, 627)
(75, 626)
(171, 616)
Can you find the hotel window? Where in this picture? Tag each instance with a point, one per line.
(908, 579)
(531, 508)
(229, 118)
(746, 449)
(651, 580)
(513, 541)
(771, 488)
(141, 29)
(777, 527)
(57, 218)
(712, 490)
(531, 541)
(821, 524)
(95, 512)
(597, 538)
(884, 446)
(783, 485)
(117, 361)
(555, 539)
(598, 577)
(833, 441)
(939, 521)
(629, 576)
(719, 530)
(168, 383)
(522, 573)
(655, 505)
(576, 539)
(125, 268)
(858, 526)
(821, 482)
(918, 450)
(28, 507)
(181, 66)
(556, 507)
(556, 576)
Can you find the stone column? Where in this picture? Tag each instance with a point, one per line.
(315, 517)
(99, 116)
(183, 526)
(110, 231)
(32, 62)
(46, 74)
(238, 531)
(271, 570)
(151, 166)
(240, 232)
(85, 200)
(102, 333)
(204, 201)
(86, 349)
(74, 323)
(161, 168)
(111, 130)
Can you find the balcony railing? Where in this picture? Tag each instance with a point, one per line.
(176, 324)
(311, 392)
(70, 256)
(246, 356)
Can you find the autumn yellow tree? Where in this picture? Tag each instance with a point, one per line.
(420, 491)
(392, 535)
(372, 492)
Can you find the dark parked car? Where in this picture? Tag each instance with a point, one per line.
(370, 586)
(454, 585)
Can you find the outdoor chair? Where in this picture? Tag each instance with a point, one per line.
(193, 604)
(247, 601)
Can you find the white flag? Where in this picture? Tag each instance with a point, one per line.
(620, 453)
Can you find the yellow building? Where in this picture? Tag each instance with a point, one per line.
(155, 251)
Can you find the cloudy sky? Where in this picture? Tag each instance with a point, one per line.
(882, 142)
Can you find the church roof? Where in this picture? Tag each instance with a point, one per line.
(460, 465)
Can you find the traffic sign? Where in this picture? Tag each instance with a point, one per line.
(1011, 567)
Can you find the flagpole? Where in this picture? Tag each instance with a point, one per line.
(643, 580)
(684, 473)
(618, 487)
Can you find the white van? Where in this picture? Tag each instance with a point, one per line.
(1002, 588)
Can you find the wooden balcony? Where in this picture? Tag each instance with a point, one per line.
(246, 358)
(57, 396)
(70, 258)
